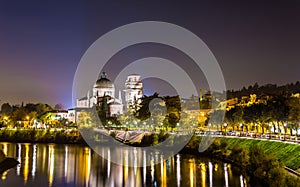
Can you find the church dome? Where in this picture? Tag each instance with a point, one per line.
(103, 82)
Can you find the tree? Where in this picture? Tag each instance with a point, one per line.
(59, 106)
(216, 118)
(19, 115)
(170, 118)
(6, 108)
(42, 108)
(103, 110)
(279, 109)
(32, 116)
(240, 155)
(46, 118)
(173, 119)
(234, 116)
(294, 113)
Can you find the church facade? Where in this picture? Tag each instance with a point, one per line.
(102, 88)
(104, 91)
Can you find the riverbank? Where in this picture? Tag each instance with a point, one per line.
(252, 158)
(285, 153)
(58, 136)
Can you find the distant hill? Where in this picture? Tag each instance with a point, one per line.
(268, 89)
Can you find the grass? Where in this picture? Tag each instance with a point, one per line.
(289, 154)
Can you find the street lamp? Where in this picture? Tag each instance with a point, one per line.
(256, 128)
(135, 124)
(209, 125)
(225, 126)
(270, 130)
(285, 125)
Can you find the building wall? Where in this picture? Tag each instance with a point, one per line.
(133, 89)
(116, 109)
(101, 91)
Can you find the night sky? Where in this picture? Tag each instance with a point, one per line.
(41, 43)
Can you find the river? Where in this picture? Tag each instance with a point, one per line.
(76, 165)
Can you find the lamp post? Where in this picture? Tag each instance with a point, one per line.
(270, 130)
(225, 126)
(135, 124)
(256, 128)
(241, 125)
(284, 130)
(27, 118)
(297, 131)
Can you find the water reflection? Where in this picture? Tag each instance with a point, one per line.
(74, 165)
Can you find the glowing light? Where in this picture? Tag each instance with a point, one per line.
(210, 167)
(19, 159)
(216, 167)
(87, 164)
(4, 148)
(26, 164)
(162, 169)
(144, 166)
(165, 173)
(203, 174)
(226, 175)
(192, 165)
(51, 164)
(4, 175)
(108, 163)
(33, 162)
(242, 181)
(125, 166)
(66, 160)
(135, 161)
(152, 168)
(178, 169)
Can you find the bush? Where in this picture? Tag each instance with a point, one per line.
(240, 155)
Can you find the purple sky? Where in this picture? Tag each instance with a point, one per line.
(42, 42)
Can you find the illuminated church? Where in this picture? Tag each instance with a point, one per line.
(104, 91)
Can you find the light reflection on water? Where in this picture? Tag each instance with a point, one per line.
(75, 165)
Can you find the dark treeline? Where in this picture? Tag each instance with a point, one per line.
(268, 89)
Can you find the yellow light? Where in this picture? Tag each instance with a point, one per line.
(203, 174)
(26, 164)
(125, 168)
(27, 117)
(192, 165)
(51, 164)
(4, 175)
(87, 164)
(216, 167)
